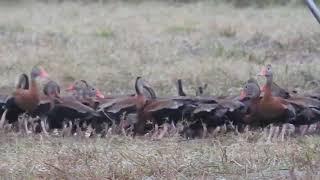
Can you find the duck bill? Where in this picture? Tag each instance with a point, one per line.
(43, 73)
(243, 94)
(262, 88)
(70, 87)
(263, 72)
(99, 94)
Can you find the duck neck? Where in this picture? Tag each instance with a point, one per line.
(268, 93)
(180, 89)
(138, 87)
(33, 86)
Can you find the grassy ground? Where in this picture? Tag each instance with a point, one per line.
(202, 42)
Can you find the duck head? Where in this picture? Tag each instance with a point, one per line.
(52, 89)
(250, 90)
(22, 82)
(38, 71)
(144, 88)
(94, 92)
(77, 85)
(82, 88)
(266, 71)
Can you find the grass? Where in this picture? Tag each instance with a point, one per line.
(115, 157)
(201, 42)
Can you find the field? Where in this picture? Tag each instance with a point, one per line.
(201, 42)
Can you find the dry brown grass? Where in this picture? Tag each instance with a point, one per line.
(226, 156)
(110, 44)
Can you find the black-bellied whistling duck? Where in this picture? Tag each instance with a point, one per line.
(78, 88)
(212, 114)
(82, 88)
(7, 102)
(307, 111)
(85, 93)
(162, 111)
(66, 108)
(251, 94)
(307, 108)
(51, 91)
(115, 107)
(28, 99)
(269, 109)
(222, 112)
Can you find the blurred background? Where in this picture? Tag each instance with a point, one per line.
(109, 42)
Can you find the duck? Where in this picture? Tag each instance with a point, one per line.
(163, 111)
(268, 109)
(6, 100)
(86, 93)
(51, 91)
(115, 107)
(26, 99)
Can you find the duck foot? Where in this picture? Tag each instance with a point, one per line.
(173, 129)
(303, 129)
(216, 131)
(156, 131)
(276, 132)
(55, 132)
(89, 131)
(312, 128)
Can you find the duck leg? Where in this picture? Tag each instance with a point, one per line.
(216, 131)
(26, 121)
(276, 131)
(64, 129)
(270, 133)
(69, 132)
(265, 132)
(3, 118)
(78, 128)
(43, 121)
(88, 131)
(205, 130)
(174, 128)
(246, 129)
(317, 127)
(164, 131)
(312, 128)
(236, 130)
(283, 131)
(156, 130)
(224, 128)
(303, 129)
